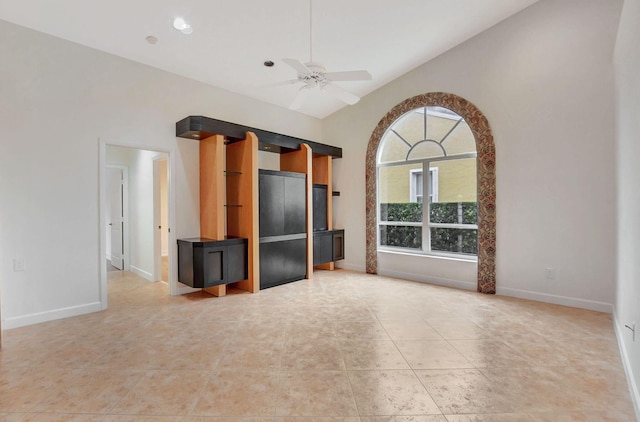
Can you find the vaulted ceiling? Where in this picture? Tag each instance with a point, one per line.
(231, 39)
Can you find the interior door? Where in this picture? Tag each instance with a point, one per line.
(115, 190)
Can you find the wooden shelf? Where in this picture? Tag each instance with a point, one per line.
(201, 127)
(229, 206)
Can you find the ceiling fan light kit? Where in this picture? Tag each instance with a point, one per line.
(314, 75)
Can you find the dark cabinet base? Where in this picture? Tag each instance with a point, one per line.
(206, 263)
(282, 262)
(328, 246)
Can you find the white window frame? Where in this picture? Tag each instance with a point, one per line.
(426, 228)
(413, 190)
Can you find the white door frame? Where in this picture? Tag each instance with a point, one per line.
(125, 212)
(157, 221)
(102, 201)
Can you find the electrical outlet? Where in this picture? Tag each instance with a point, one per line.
(550, 273)
(18, 264)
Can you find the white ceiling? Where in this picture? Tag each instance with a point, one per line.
(232, 38)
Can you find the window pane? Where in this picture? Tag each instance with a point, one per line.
(426, 149)
(392, 148)
(454, 240)
(401, 212)
(460, 141)
(401, 236)
(410, 126)
(457, 180)
(394, 194)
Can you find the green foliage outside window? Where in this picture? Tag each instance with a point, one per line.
(448, 212)
(404, 212)
(442, 239)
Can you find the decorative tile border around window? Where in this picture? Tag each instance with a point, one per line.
(486, 164)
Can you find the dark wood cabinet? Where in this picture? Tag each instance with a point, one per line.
(322, 247)
(282, 262)
(319, 207)
(328, 246)
(283, 247)
(206, 263)
(282, 203)
(338, 244)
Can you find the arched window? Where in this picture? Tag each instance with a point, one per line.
(427, 184)
(430, 181)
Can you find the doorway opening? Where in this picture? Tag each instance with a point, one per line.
(135, 204)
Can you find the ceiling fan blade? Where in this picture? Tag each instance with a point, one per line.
(301, 96)
(341, 94)
(297, 65)
(289, 82)
(351, 75)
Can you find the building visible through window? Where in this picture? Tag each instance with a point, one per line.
(430, 153)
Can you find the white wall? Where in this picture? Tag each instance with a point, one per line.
(627, 304)
(141, 213)
(56, 99)
(544, 80)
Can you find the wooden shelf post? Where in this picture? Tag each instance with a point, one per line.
(322, 174)
(301, 162)
(212, 215)
(242, 189)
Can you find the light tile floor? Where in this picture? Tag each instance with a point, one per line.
(343, 347)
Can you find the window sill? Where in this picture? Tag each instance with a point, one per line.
(443, 256)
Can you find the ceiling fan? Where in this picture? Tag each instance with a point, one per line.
(313, 74)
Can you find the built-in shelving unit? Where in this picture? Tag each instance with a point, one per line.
(230, 209)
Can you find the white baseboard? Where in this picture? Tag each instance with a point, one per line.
(591, 305)
(631, 381)
(140, 272)
(440, 281)
(39, 317)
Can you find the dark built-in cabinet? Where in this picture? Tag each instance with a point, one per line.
(283, 247)
(282, 198)
(319, 207)
(206, 263)
(328, 246)
(276, 216)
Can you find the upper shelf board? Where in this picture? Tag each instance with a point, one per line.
(201, 127)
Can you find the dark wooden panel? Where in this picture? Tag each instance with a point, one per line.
(272, 214)
(322, 247)
(338, 245)
(201, 127)
(282, 262)
(295, 205)
(214, 266)
(237, 263)
(206, 263)
(319, 207)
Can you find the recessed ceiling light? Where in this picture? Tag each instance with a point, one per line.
(181, 25)
(151, 39)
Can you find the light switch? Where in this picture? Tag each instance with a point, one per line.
(18, 264)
